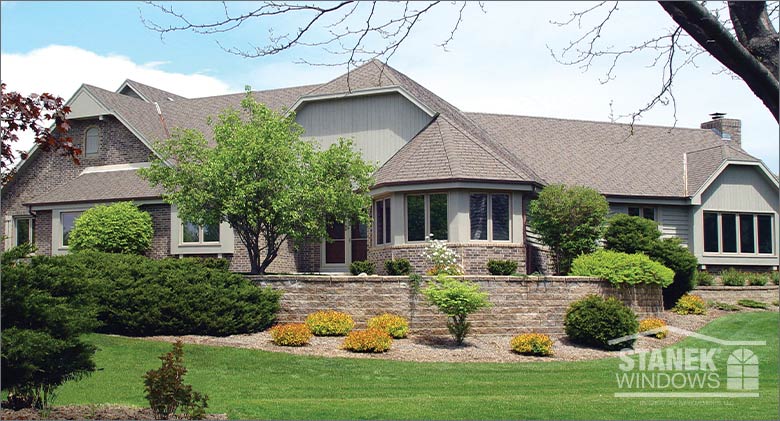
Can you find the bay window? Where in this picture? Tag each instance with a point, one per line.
(383, 232)
(427, 214)
(743, 233)
(489, 216)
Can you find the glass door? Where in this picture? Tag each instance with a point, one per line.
(335, 250)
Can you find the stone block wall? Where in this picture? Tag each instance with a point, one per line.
(472, 256)
(726, 294)
(519, 304)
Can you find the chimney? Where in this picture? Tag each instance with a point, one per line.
(729, 129)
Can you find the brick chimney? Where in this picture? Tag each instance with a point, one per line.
(729, 129)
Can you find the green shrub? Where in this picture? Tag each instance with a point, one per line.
(369, 340)
(723, 306)
(457, 299)
(138, 296)
(532, 344)
(210, 262)
(395, 326)
(117, 228)
(594, 321)
(166, 391)
(570, 220)
(630, 234)
(775, 275)
(670, 253)
(732, 277)
(362, 266)
(501, 267)
(398, 267)
(329, 323)
(703, 278)
(776, 303)
(753, 304)
(690, 304)
(41, 347)
(621, 268)
(757, 279)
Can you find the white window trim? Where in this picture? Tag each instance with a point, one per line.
(375, 229)
(739, 253)
(178, 247)
(490, 216)
(427, 216)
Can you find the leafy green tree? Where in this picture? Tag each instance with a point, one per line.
(570, 220)
(630, 234)
(457, 299)
(261, 178)
(117, 228)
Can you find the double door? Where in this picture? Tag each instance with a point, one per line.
(348, 244)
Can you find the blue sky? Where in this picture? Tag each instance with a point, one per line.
(498, 62)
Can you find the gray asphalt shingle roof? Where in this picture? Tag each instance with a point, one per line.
(100, 187)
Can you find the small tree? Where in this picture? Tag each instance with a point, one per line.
(261, 178)
(117, 228)
(671, 253)
(570, 220)
(457, 299)
(166, 391)
(630, 234)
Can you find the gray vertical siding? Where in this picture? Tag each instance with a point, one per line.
(673, 221)
(379, 124)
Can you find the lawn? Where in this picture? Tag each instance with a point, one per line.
(258, 384)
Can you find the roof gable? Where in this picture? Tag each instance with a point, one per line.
(145, 92)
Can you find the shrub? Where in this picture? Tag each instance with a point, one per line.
(690, 304)
(398, 267)
(501, 267)
(138, 296)
(369, 340)
(703, 278)
(630, 234)
(444, 260)
(733, 277)
(757, 279)
(210, 262)
(594, 321)
(117, 228)
(41, 347)
(166, 391)
(291, 334)
(329, 323)
(654, 323)
(621, 268)
(456, 299)
(362, 266)
(776, 303)
(532, 344)
(395, 326)
(570, 220)
(670, 253)
(775, 275)
(753, 304)
(723, 306)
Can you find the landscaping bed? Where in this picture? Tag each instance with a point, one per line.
(89, 412)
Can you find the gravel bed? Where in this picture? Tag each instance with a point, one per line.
(90, 412)
(477, 348)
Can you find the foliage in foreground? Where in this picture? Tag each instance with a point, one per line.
(370, 340)
(398, 267)
(362, 266)
(42, 326)
(630, 234)
(594, 321)
(329, 323)
(753, 304)
(166, 391)
(116, 228)
(396, 326)
(622, 269)
(719, 305)
(690, 304)
(501, 267)
(457, 299)
(290, 334)
(652, 323)
(537, 344)
(443, 260)
(703, 278)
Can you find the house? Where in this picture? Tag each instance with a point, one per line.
(464, 177)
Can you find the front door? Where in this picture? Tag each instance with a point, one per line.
(348, 244)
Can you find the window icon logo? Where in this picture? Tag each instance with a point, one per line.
(742, 370)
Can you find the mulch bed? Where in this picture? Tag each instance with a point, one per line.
(89, 412)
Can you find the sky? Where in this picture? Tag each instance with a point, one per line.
(499, 61)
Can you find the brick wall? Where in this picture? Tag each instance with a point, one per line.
(472, 256)
(285, 261)
(519, 304)
(161, 223)
(731, 295)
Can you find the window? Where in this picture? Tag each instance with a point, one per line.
(68, 221)
(743, 233)
(647, 213)
(382, 221)
(489, 216)
(24, 231)
(427, 214)
(92, 139)
(192, 233)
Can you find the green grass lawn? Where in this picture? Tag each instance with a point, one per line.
(258, 384)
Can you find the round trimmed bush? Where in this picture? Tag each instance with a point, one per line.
(290, 334)
(329, 323)
(117, 228)
(395, 326)
(501, 267)
(398, 267)
(594, 321)
(532, 344)
(690, 304)
(653, 323)
(369, 340)
(630, 234)
(621, 268)
(362, 266)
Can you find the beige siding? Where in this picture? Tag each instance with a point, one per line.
(379, 124)
(673, 221)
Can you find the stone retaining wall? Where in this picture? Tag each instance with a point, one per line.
(726, 294)
(520, 305)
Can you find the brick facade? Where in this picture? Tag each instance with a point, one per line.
(519, 305)
(472, 256)
(161, 223)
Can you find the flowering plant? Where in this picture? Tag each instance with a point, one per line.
(443, 259)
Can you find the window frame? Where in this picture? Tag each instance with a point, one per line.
(200, 241)
(738, 231)
(97, 142)
(62, 245)
(426, 215)
(642, 212)
(30, 229)
(490, 236)
(386, 222)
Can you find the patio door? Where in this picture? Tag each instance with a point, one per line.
(347, 245)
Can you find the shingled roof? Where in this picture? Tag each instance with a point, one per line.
(100, 186)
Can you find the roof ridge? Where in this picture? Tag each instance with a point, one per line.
(313, 86)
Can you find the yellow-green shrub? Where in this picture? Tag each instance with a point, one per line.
(532, 344)
(690, 304)
(653, 323)
(395, 326)
(369, 340)
(329, 323)
(291, 334)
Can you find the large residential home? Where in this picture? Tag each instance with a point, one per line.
(465, 177)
